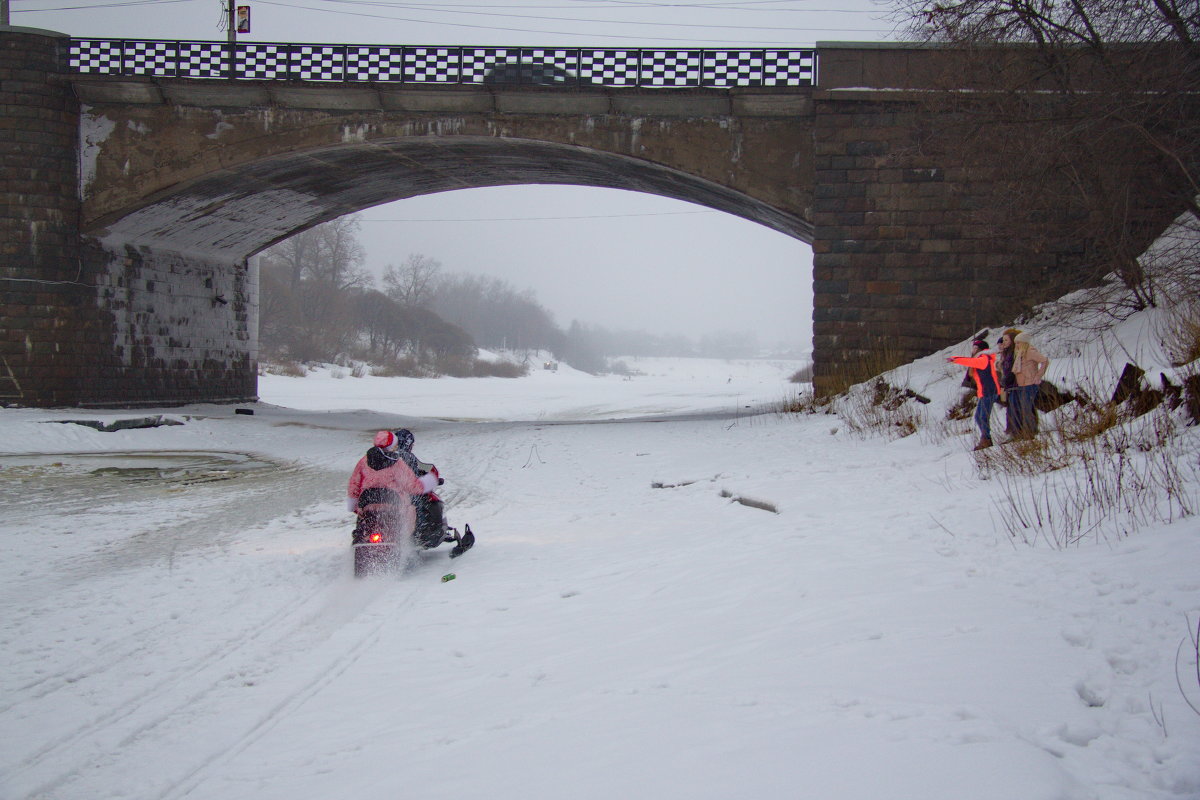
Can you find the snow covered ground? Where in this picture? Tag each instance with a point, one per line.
(180, 618)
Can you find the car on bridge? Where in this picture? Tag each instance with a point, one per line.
(530, 73)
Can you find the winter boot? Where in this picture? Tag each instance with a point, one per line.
(984, 444)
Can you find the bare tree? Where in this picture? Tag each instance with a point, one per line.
(277, 308)
(341, 255)
(386, 325)
(496, 314)
(295, 258)
(306, 280)
(412, 283)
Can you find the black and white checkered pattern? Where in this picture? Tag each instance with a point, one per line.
(610, 67)
(431, 65)
(670, 68)
(477, 62)
(317, 62)
(789, 67)
(556, 61)
(374, 63)
(261, 61)
(203, 60)
(665, 68)
(723, 68)
(95, 56)
(149, 58)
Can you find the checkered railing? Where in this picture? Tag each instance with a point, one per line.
(665, 68)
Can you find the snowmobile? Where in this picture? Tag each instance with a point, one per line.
(377, 541)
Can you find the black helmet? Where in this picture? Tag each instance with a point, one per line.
(404, 438)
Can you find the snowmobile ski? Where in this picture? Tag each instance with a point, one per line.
(464, 544)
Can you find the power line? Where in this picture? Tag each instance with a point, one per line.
(558, 33)
(98, 5)
(746, 5)
(733, 5)
(382, 3)
(457, 8)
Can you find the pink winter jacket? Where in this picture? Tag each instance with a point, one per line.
(373, 471)
(1029, 365)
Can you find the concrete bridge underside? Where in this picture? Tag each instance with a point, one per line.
(249, 204)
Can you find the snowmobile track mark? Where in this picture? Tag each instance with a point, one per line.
(164, 688)
(47, 685)
(185, 785)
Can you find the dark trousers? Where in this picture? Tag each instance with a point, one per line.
(1022, 400)
(983, 415)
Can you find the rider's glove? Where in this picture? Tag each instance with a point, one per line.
(429, 481)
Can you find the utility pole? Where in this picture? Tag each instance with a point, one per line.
(231, 21)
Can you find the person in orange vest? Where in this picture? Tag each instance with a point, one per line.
(982, 363)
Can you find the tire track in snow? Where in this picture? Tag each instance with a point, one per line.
(126, 648)
(248, 502)
(276, 713)
(481, 448)
(62, 746)
(171, 700)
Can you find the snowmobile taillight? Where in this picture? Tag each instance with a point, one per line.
(375, 537)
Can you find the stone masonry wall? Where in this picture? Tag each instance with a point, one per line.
(82, 325)
(45, 304)
(904, 259)
(172, 329)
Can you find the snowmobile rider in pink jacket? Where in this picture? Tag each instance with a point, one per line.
(381, 471)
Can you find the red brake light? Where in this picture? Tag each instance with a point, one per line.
(375, 537)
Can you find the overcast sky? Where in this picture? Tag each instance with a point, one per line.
(619, 259)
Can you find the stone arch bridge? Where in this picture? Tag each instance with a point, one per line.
(138, 177)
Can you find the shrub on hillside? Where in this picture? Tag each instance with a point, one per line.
(499, 369)
(289, 369)
(459, 367)
(802, 375)
(400, 368)
(1181, 336)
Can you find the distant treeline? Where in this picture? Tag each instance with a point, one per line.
(319, 303)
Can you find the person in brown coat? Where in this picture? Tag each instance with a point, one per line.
(1005, 355)
(1029, 367)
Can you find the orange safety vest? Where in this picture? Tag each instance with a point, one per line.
(984, 360)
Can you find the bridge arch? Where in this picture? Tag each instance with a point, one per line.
(174, 198)
(246, 206)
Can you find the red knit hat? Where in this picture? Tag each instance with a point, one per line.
(385, 439)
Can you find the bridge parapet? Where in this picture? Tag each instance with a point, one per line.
(545, 66)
